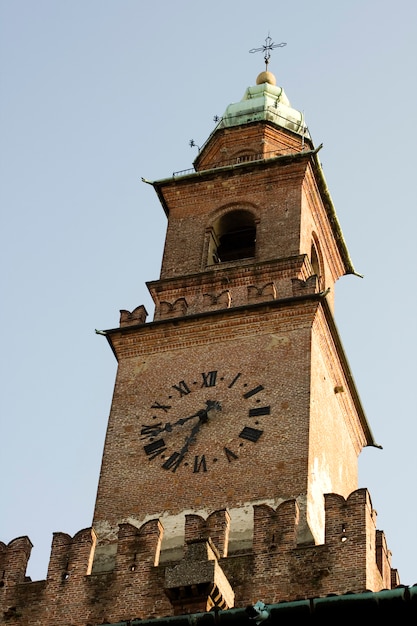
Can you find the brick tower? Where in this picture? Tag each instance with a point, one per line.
(229, 471)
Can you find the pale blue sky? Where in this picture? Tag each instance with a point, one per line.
(96, 94)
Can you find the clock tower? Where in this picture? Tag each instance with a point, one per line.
(238, 394)
(229, 470)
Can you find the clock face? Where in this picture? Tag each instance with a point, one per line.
(204, 421)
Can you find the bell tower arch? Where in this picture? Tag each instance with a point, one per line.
(232, 237)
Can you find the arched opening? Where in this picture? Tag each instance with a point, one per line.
(233, 237)
(316, 261)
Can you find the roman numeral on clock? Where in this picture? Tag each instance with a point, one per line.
(150, 430)
(261, 410)
(234, 380)
(173, 462)
(252, 392)
(182, 388)
(164, 407)
(155, 448)
(231, 456)
(251, 434)
(200, 464)
(209, 379)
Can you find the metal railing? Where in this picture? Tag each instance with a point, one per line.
(246, 158)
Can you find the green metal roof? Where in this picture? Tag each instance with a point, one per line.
(399, 604)
(265, 101)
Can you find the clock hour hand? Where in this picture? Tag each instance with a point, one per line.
(202, 414)
(169, 426)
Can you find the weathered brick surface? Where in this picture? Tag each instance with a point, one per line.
(250, 141)
(275, 568)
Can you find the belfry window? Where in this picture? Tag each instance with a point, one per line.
(233, 237)
(316, 261)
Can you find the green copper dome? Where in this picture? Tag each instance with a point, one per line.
(265, 101)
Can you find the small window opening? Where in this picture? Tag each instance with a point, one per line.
(233, 237)
(315, 261)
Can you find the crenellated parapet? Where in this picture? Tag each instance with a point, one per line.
(138, 548)
(134, 587)
(71, 556)
(353, 558)
(275, 529)
(228, 287)
(216, 527)
(131, 318)
(351, 526)
(14, 558)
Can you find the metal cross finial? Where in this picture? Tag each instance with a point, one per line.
(269, 45)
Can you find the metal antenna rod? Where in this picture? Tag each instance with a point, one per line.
(269, 45)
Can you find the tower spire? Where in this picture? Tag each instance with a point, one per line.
(267, 48)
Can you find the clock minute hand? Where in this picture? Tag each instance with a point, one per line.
(203, 418)
(191, 438)
(177, 458)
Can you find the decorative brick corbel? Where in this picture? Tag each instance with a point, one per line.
(264, 293)
(222, 300)
(303, 287)
(173, 309)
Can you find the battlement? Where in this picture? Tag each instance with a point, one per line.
(353, 558)
(14, 559)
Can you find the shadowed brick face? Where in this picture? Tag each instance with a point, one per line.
(229, 470)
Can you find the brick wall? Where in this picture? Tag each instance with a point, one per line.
(353, 558)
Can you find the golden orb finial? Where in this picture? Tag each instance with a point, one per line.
(266, 77)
